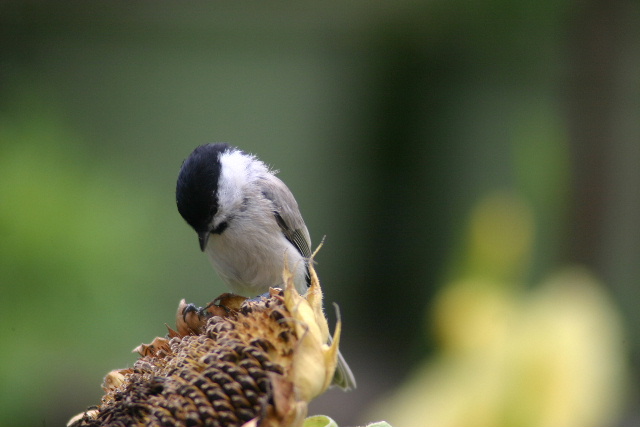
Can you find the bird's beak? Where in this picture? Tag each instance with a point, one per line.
(203, 237)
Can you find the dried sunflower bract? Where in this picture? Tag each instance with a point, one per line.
(235, 363)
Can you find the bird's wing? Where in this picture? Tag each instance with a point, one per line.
(287, 214)
(295, 236)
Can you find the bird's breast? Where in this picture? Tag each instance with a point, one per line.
(250, 264)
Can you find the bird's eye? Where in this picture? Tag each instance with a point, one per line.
(220, 228)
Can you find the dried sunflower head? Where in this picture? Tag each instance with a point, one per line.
(234, 363)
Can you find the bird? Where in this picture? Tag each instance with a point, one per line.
(248, 223)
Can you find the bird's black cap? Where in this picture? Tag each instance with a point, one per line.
(196, 190)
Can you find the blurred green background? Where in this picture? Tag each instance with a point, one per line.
(473, 164)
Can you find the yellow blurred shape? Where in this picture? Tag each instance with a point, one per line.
(473, 315)
(551, 357)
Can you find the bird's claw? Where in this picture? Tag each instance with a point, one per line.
(191, 308)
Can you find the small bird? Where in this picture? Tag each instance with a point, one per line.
(247, 221)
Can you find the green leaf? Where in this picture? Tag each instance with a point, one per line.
(319, 421)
